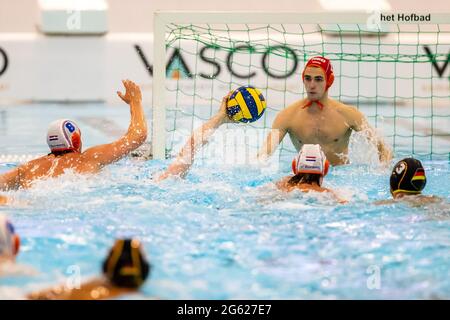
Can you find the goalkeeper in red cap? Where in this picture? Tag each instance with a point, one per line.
(318, 119)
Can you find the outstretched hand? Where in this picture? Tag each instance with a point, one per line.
(132, 94)
(223, 109)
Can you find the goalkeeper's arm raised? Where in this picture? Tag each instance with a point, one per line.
(274, 137)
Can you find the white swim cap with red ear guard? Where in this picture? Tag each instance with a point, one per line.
(64, 135)
(310, 159)
(9, 240)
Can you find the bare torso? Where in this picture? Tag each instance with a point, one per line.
(89, 161)
(330, 127)
(50, 166)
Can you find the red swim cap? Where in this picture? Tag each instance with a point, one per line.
(325, 65)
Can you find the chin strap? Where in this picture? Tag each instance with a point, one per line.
(309, 103)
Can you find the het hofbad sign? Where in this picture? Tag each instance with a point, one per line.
(405, 17)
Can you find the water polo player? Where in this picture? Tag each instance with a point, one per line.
(319, 119)
(407, 181)
(310, 166)
(64, 140)
(124, 270)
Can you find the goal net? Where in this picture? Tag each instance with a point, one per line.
(397, 74)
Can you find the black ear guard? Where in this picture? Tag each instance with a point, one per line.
(126, 265)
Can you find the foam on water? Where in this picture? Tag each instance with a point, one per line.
(226, 232)
(231, 229)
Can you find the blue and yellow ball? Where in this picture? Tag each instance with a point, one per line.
(246, 104)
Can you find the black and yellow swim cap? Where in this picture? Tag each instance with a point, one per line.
(408, 176)
(126, 265)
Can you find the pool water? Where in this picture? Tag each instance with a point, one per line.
(224, 232)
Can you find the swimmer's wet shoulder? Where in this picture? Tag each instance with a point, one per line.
(412, 200)
(407, 181)
(95, 289)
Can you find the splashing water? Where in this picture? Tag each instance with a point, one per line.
(231, 229)
(225, 232)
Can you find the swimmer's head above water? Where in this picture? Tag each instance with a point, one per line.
(9, 240)
(324, 64)
(126, 265)
(310, 165)
(64, 136)
(407, 177)
(317, 77)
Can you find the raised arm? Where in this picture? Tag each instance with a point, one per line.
(181, 165)
(274, 137)
(135, 136)
(359, 123)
